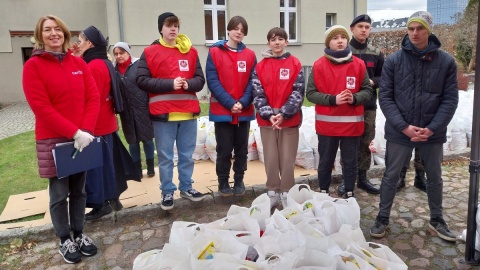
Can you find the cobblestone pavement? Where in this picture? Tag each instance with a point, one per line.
(16, 118)
(123, 236)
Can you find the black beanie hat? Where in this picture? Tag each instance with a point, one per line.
(162, 18)
(95, 36)
(361, 18)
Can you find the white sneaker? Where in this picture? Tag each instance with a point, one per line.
(283, 198)
(274, 198)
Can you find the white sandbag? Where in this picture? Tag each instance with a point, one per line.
(252, 153)
(258, 143)
(337, 163)
(311, 259)
(459, 139)
(350, 261)
(348, 211)
(199, 153)
(206, 245)
(304, 156)
(298, 195)
(211, 142)
(202, 129)
(148, 260)
(183, 232)
(241, 226)
(232, 263)
(176, 257)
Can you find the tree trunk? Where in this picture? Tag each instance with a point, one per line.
(471, 65)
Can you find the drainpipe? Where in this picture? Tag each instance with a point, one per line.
(120, 18)
(354, 8)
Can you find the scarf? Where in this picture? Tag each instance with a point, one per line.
(339, 57)
(183, 43)
(123, 67)
(97, 52)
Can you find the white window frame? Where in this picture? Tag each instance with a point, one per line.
(286, 9)
(215, 8)
(333, 17)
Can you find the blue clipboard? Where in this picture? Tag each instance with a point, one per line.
(68, 161)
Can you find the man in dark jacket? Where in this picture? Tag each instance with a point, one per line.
(373, 59)
(418, 98)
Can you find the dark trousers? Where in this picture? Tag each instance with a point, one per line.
(231, 137)
(327, 149)
(67, 215)
(395, 157)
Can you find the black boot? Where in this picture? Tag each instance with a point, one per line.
(365, 184)
(420, 180)
(401, 180)
(138, 166)
(150, 167)
(97, 213)
(224, 188)
(341, 188)
(239, 187)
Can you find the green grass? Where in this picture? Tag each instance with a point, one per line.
(19, 168)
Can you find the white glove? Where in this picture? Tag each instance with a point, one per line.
(82, 139)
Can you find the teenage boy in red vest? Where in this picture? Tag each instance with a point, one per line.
(230, 65)
(338, 85)
(278, 90)
(169, 70)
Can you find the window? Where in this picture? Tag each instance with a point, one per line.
(215, 20)
(288, 18)
(26, 54)
(330, 20)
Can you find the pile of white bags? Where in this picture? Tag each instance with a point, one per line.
(463, 236)
(315, 231)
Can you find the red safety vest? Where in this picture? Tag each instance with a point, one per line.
(329, 78)
(169, 63)
(277, 77)
(234, 69)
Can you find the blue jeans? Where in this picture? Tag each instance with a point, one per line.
(184, 133)
(148, 148)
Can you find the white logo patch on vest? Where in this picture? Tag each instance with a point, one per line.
(183, 65)
(242, 66)
(284, 74)
(351, 82)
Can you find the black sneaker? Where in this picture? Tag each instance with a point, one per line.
(69, 251)
(97, 213)
(441, 228)
(239, 189)
(192, 195)
(167, 201)
(378, 229)
(85, 245)
(116, 204)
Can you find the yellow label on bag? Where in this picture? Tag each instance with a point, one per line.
(207, 253)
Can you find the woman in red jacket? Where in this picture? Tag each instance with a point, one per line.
(101, 186)
(64, 98)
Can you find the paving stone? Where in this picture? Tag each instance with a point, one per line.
(120, 242)
(129, 236)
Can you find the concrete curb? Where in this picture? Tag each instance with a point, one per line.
(213, 197)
